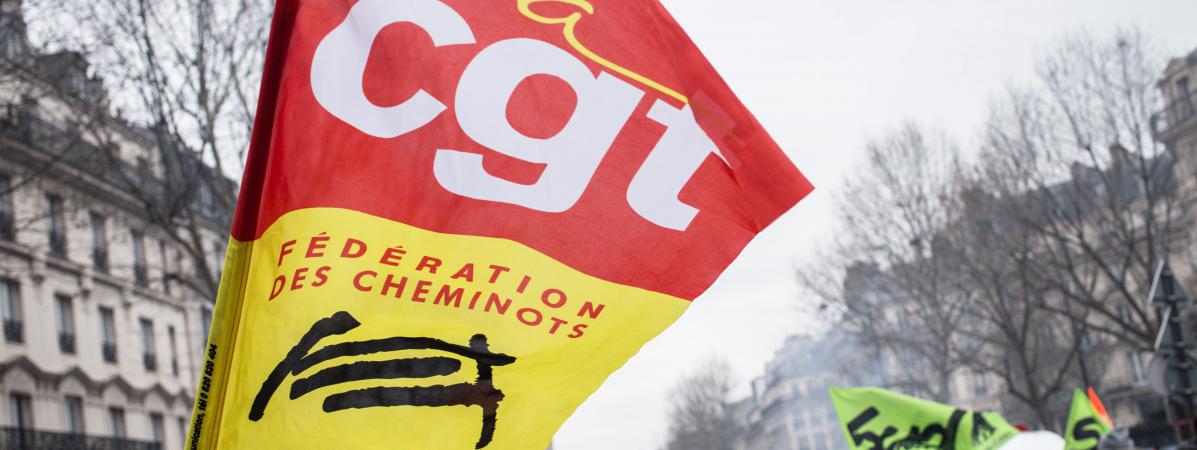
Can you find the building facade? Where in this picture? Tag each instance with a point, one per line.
(1176, 127)
(790, 408)
(1176, 124)
(102, 337)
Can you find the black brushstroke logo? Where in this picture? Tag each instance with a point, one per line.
(1087, 430)
(934, 436)
(481, 393)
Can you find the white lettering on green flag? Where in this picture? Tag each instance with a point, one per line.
(877, 419)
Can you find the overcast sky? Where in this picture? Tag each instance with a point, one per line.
(821, 76)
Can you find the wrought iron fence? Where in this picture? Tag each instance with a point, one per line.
(141, 275)
(58, 243)
(71, 144)
(68, 144)
(108, 349)
(7, 224)
(14, 331)
(66, 342)
(150, 361)
(25, 439)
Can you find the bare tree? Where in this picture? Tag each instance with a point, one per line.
(889, 273)
(22, 81)
(1029, 263)
(701, 416)
(1033, 352)
(1103, 199)
(177, 77)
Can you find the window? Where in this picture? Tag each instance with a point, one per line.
(10, 296)
(7, 217)
(13, 49)
(1049, 334)
(980, 384)
(206, 323)
(1185, 98)
(58, 243)
(165, 274)
(140, 271)
(74, 414)
(1087, 340)
(218, 255)
(179, 269)
(821, 442)
(66, 323)
(1136, 366)
(182, 424)
(174, 358)
(21, 410)
(107, 334)
(837, 440)
(902, 319)
(99, 242)
(116, 422)
(206, 201)
(143, 170)
(157, 428)
(149, 356)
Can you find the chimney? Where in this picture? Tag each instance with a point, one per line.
(14, 38)
(1119, 156)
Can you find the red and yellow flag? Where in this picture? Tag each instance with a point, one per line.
(459, 217)
(1099, 407)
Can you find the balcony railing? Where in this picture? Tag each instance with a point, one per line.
(25, 439)
(66, 142)
(141, 275)
(58, 244)
(8, 229)
(150, 361)
(66, 342)
(14, 331)
(1174, 115)
(109, 352)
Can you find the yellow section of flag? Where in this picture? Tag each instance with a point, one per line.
(382, 332)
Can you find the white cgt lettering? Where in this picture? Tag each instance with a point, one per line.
(654, 190)
(604, 105)
(340, 64)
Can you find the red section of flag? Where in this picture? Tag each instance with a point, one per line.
(302, 156)
(1099, 407)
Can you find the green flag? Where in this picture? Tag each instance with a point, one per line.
(877, 419)
(1085, 425)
